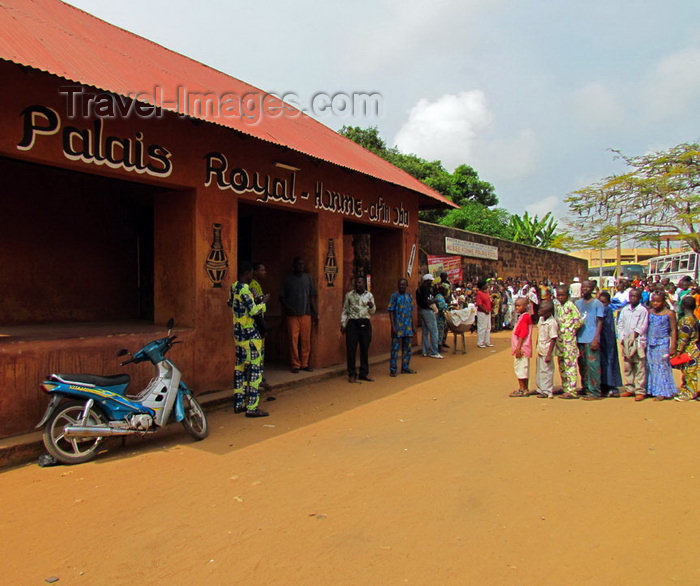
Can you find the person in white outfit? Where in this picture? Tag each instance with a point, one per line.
(483, 315)
(575, 290)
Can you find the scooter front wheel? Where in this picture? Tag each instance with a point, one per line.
(195, 421)
(71, 450)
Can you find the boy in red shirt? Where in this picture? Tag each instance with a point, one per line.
(521, 347)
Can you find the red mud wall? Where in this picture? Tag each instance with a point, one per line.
(514, 260)
(65, 256)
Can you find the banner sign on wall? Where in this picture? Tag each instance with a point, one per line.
(466, 248)
(452, 265)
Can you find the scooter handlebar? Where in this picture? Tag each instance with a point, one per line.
(155, 351)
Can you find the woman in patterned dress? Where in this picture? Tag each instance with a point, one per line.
(661, 343)
(440, 293)
(688, 342)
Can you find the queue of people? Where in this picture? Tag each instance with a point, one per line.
(654, 324)
(654, 333)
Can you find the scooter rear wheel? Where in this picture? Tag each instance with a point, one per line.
(195, 421)
(73, 450)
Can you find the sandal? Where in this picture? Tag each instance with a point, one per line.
(519, 393)
(543, 396)
(568, 396)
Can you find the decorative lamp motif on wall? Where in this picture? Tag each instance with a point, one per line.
(217, 262)
(330, 267)
(411, 260)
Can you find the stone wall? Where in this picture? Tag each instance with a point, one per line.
(514, 260)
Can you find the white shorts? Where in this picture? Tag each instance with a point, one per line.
(521, 366)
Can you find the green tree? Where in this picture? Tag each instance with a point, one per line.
(659, 195)
(461, 186)
(476, 217)
(468, 187)
(563, 241)
(366, 137)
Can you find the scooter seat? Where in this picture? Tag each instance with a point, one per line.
(94, 379)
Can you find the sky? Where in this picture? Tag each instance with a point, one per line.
(532, 94)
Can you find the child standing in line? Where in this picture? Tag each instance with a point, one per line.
(521, 347)
(588, 338)
(610, 379)
(632, 332)
(688, 342)
(547, 334)
(661, 343)
(569, 320)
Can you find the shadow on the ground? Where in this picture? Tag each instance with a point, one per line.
(316, 397)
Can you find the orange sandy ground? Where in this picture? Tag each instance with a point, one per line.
(435, 478)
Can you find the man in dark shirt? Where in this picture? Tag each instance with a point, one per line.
(426, 312)
(298, 300)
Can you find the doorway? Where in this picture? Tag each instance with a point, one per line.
(274, 237)
(376, 253)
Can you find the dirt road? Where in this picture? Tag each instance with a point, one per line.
(435, 478)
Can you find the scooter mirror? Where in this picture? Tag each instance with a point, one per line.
(170, 324)
(122, 352)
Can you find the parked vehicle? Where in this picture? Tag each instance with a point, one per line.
(675, 266)
(86, 408)
(627, 271)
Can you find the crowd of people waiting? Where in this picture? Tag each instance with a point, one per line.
(654, 323)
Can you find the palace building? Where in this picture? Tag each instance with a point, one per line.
(135, 179)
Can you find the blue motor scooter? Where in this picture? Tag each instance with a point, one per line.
(85, 408)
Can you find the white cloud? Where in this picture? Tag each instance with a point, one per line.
(596, 107)
(455, 129)
(541, 207)
(672, 89)
(445, 129)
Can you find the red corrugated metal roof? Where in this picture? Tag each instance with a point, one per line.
(66, 41)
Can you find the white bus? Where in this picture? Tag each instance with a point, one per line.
(675, 266)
